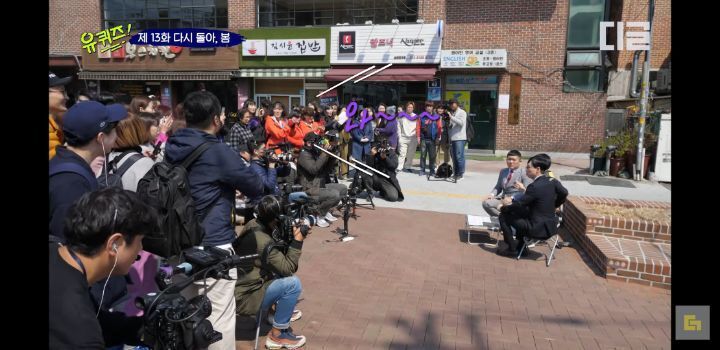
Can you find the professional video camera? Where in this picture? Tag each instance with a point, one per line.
(298, 212)
(285, 155)
(173, 322)
(383, 146)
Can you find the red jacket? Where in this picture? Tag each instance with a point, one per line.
(296, 133)
(438, 124)
(277, 131)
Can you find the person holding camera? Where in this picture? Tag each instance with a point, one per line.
(313, 169)
(213, 179)
(270, 280)
(104, 232)
(383, 158)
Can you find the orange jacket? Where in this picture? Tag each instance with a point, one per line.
(56, 137)
(297, 131)
(276, 131)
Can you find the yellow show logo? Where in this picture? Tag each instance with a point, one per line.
(690, 323)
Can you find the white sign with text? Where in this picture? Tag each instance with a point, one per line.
(383, 44)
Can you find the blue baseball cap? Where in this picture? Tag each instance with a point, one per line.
(85, 120)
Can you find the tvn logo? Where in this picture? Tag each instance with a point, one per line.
(692, 322)
(632, 40)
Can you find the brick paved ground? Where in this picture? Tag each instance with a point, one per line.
(407, 282)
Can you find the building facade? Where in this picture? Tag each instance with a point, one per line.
(547, 87)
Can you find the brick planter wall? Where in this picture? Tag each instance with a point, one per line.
(636, 251)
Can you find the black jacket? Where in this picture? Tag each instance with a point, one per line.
(213, 179)
(388, 167)
(541, 198)
(72, 322)
(67, 187)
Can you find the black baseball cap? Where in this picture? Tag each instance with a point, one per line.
(85, 120)
(311, 137)
(54, 80)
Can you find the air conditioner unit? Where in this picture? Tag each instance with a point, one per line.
(663, 81)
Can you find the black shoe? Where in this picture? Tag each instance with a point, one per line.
(507, 252)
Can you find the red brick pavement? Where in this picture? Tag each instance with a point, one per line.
(407, 282)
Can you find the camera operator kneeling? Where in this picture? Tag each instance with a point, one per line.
(383, 158)
(104, 230)
(270, 280)
(313, 170)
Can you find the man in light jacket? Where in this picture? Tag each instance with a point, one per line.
(458, 138)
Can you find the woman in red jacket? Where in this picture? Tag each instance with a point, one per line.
(276, 127)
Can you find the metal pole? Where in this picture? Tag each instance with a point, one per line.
(640, 159)
(371, 168)
(344, 161)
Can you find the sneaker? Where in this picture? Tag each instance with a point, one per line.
(322, 223)
(296, 315)
(329, 217)
(286, 340)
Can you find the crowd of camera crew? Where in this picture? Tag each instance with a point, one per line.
(254, 168)
(267, 169)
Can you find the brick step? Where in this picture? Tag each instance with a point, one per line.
(618, 227)
(635, 251)
(629, 260)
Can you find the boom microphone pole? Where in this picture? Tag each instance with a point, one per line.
(344, 161)
(371, 168)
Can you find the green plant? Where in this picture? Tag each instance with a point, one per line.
(625, 141)
(600, 152)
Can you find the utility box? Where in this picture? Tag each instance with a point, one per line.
(662, 157)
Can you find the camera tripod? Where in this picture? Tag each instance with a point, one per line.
(346, 203)
(359, 185)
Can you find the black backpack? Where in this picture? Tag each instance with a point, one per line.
(114, 175)
(165, 187)
(444, 171)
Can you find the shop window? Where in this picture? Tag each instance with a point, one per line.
(298, 13)
(166, 13)
(584, 23)
(582, 80)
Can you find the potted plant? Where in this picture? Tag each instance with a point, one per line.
(649, 141)
(622, 144)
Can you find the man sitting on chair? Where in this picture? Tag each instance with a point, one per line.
(512, 181)
(533, 214)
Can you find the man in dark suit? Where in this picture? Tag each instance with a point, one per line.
(533, 214)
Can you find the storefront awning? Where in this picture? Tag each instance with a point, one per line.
(392, 73)
(280, 73)
(222, 75)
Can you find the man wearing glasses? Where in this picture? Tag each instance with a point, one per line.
(58, 98)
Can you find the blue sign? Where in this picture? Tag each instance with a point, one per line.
(187, 37)
(433, 94)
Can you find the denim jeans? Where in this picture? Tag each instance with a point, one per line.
(458, 157)
(284, 292)
(427, 149)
